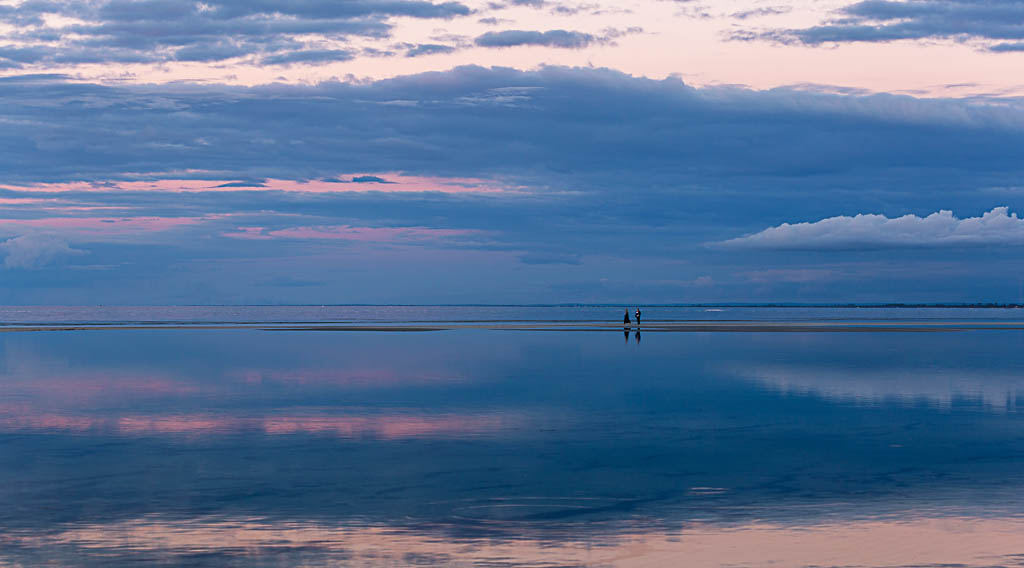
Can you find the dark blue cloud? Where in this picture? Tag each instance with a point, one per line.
(1001, 47)
(308, 56)
(163, 30)
(759, 12)
(889, 20)
(552, 38)
(634, 175)
(428, 49)
(553, 124)
(242, 184)
(370, 179)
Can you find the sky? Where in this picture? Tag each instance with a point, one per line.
(511, 151)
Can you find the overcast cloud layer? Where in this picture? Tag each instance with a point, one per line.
(561, 184)
(155, 151)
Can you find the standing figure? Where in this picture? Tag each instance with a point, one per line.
(625, 318)
(637, 314)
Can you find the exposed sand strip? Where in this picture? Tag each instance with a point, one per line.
(654, 327)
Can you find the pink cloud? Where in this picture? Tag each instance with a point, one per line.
(396, 183)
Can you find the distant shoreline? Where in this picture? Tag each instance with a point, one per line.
(604, 326)
(975, 305)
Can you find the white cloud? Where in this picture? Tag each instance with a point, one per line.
(35, 251)
(998, 226)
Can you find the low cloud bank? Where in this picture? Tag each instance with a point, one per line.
(35, 251)
(868, 231)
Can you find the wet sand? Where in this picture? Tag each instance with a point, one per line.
(652, 327)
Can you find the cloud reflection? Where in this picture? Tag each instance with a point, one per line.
(996, 391)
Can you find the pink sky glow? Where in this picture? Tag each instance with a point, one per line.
(690, 39)
(398, 183)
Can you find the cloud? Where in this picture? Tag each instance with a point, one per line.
(370, 179)
(553, 38)
(241, 184)
(890, 20)
(155, 31)
(760, 12)
(1004, 47)
(512, 3)
(428, 49)
(592, 127)
(308, 56)
(941, 229)
(36, 251)
(631, 174)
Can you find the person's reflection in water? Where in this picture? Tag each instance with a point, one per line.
(636, 335)
(625, 333)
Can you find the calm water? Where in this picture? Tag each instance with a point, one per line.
(247, 447)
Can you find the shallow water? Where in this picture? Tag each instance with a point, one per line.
(487, 447)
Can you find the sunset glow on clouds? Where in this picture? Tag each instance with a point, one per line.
(149, 141)
(381, 182)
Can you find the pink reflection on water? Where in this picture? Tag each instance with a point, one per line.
(84, 389)
(177, 424)
(14, 421)
(387, 427)
(925, 541)
(379, 426)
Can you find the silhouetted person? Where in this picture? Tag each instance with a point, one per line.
(637, 314)
(625, 318)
